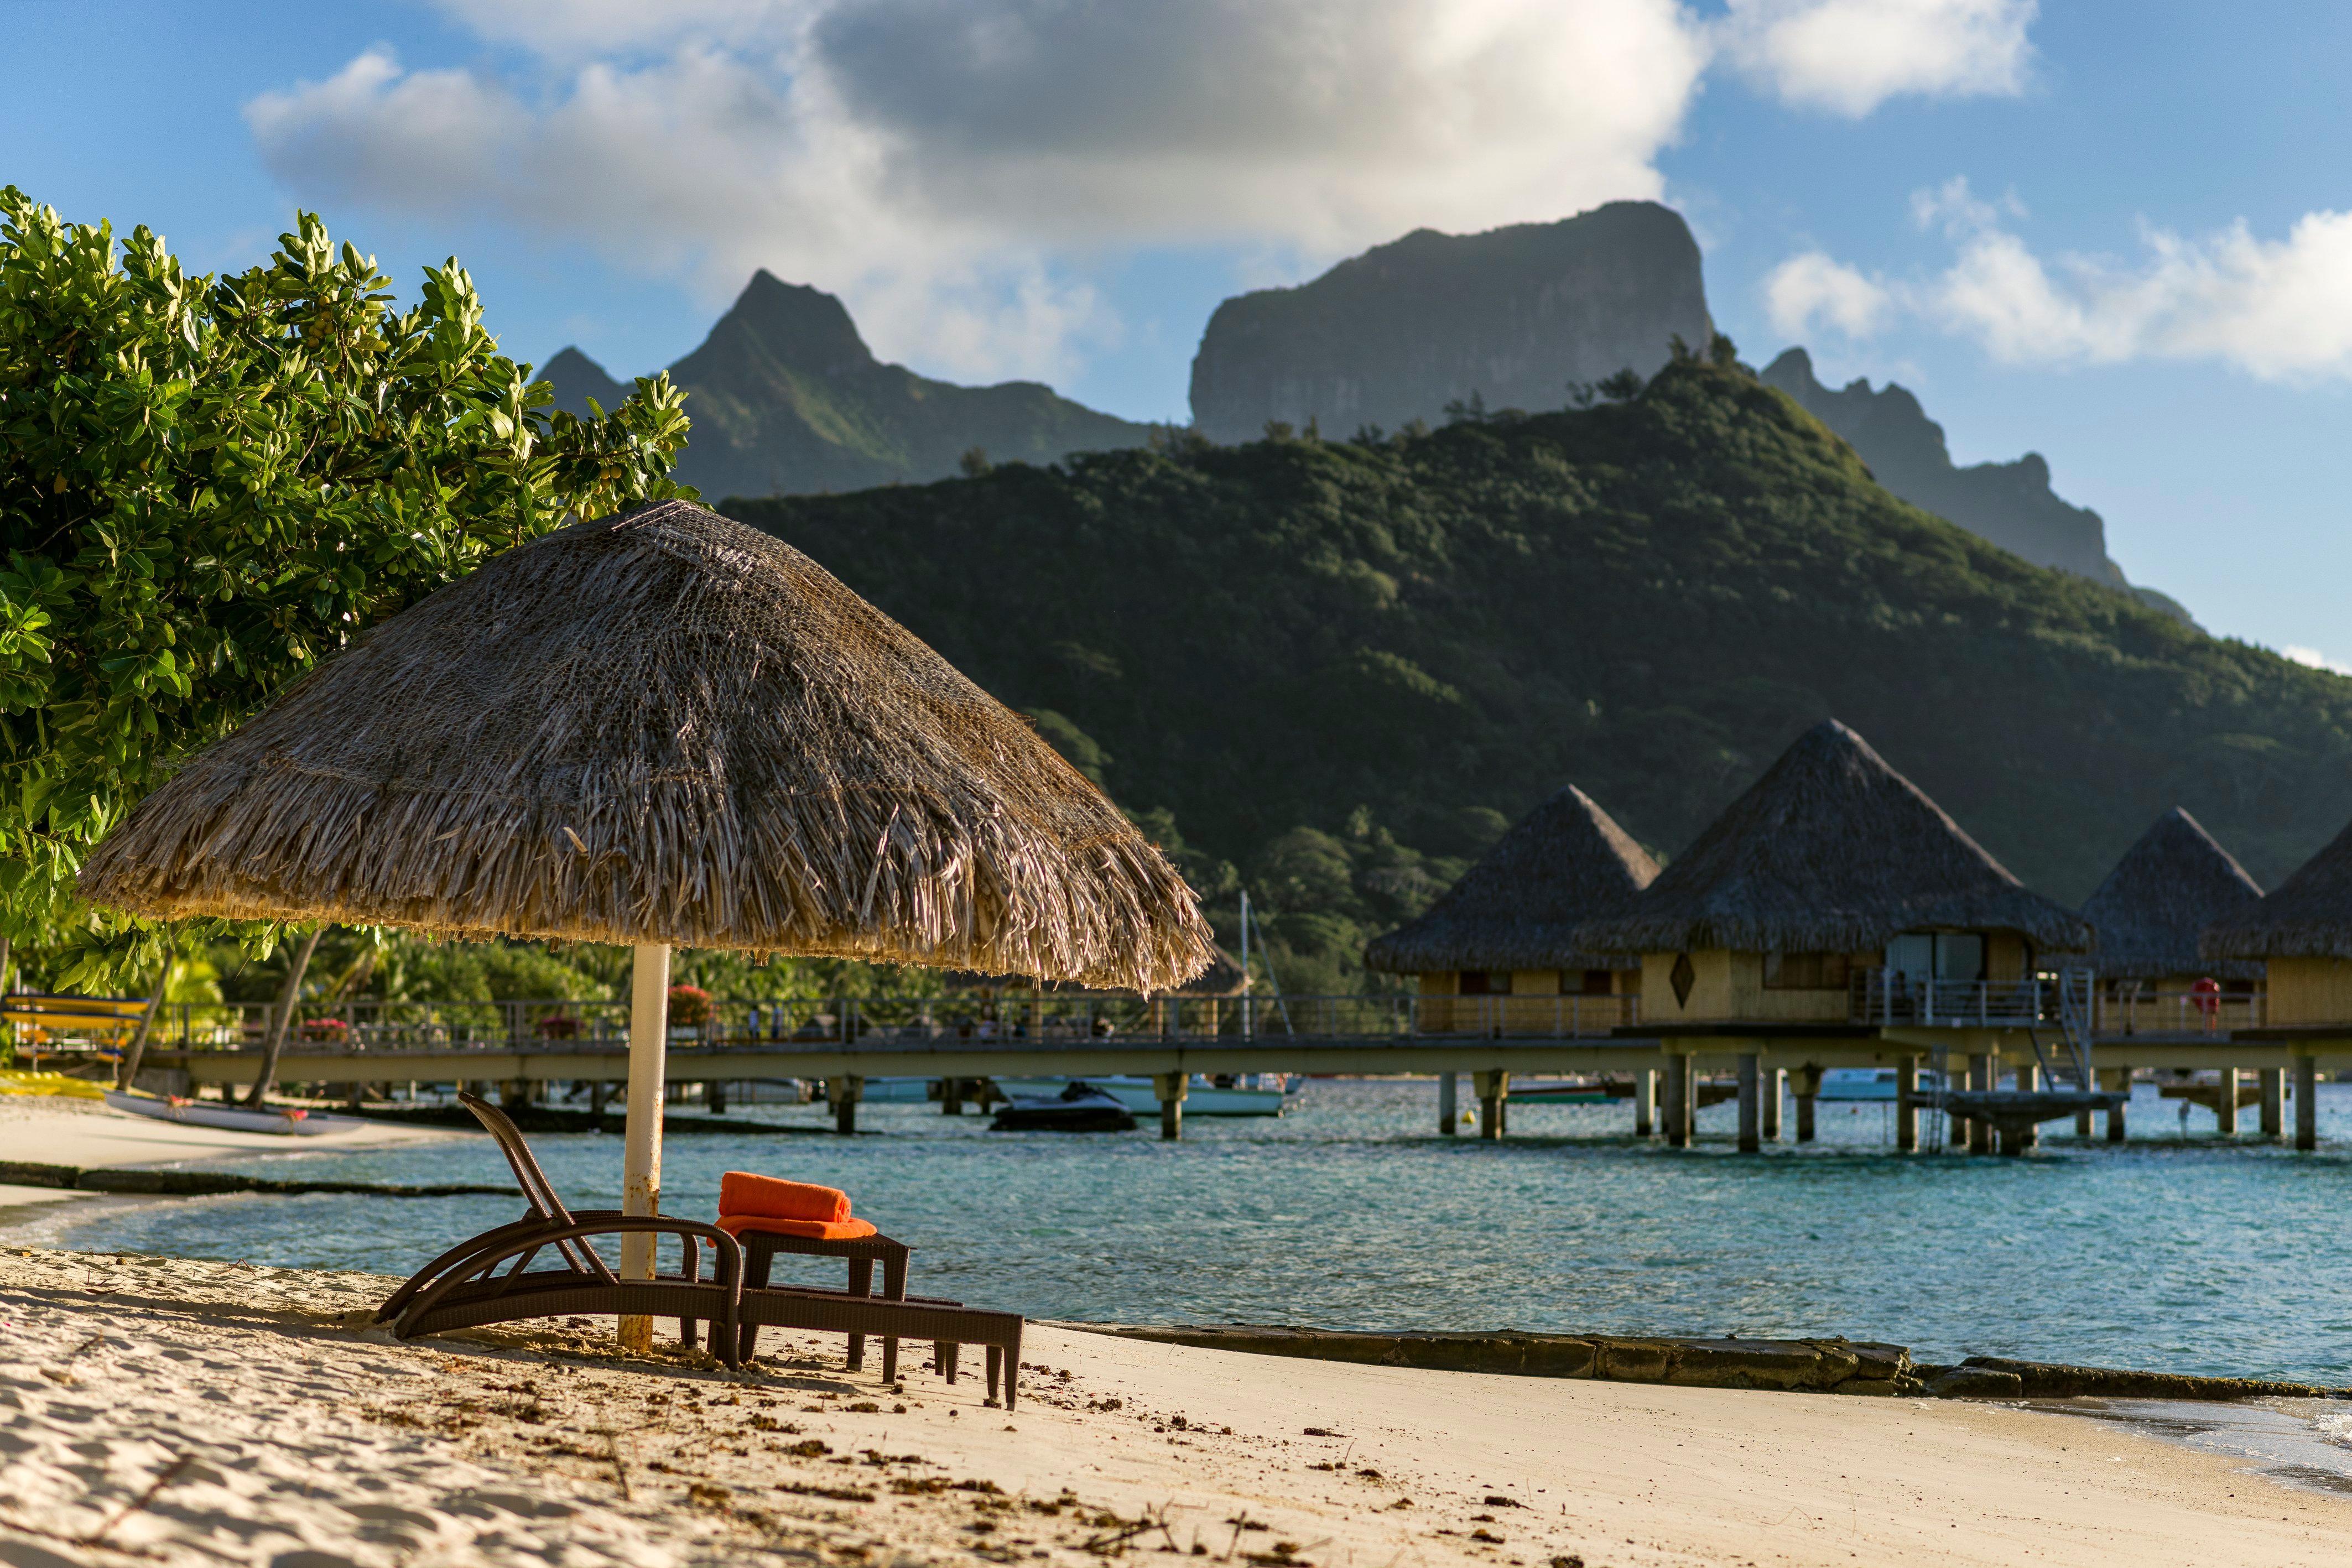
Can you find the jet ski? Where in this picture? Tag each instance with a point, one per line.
(1080, 1107)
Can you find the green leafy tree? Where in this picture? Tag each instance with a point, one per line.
(207, 486)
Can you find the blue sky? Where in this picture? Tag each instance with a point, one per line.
(2105, 232)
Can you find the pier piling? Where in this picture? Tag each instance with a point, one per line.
(2271, 1089)
(1171, 1087)
(845, 1093)
(2118, 1078)
(2225, 1104)
(2307, 1102)
(1751, 1104)
(1982, 1074)
(951, 1096)
(1449, 1104)
(2028, 1079)
(1907, 1104)
(1809, 1085)
(1776, 1085)
(1645, 1102)
(1493, 1089)
(1680, 1094)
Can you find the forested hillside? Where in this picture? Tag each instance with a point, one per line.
(1340, 667)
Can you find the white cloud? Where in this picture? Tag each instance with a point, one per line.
(1812, 288)
(1957, 210)
(2316, 660)
(931, 160)
(2278, 309)
(1851, 56)
(944, 164)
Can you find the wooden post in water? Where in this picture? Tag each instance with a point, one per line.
(1491, 1089)
(1751, 1104)
(2117, 1130)
(2307, 1102)
(2272, 1087)
(951, 1096)
(2225, 1104)
(1809, 1085)
(1982, 1066)
(1907, 1104)
(845, 1093)
(1679, 1096)
(1776, 1085)
(2028, 1079)
(1645, 1102)
(1449, 1104)
(1172, 1088)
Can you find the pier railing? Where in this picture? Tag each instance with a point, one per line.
(1047, 1018)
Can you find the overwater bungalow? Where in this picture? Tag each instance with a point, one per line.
(1498, 954)
(2148, 918)
(1835, 917)
(2302, 932)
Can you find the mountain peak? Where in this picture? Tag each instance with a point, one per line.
(797, 324)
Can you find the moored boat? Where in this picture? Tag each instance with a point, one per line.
(1078, 1107)
(294, 1123)
(1269, 1095)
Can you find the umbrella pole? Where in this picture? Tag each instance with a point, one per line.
(641, 1153)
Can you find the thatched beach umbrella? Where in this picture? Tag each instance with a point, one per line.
(1832, 851)
(664, 728)
(2153, 908)
(1565, 862)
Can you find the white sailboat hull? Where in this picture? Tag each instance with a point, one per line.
(228, 1117)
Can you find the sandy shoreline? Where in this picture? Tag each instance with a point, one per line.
(260, 1422)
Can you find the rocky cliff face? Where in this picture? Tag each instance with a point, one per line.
(1512, 317)
(2007, 504)
(786, 399)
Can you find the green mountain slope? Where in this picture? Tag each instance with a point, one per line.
(1343, 666)
(787, 399)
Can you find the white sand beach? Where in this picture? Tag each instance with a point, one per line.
(174, 1411)
(56, 1131)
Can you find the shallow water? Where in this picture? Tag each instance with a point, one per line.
(2178, 1252)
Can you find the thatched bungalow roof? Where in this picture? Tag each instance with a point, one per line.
(2308, 915)
(2169, 887)
(1832, 851)
(1519, 908)
(661, 728)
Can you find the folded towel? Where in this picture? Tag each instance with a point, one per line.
(742, 1193)
(820, 1229)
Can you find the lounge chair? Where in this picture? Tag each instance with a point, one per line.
(762, 1234)
(464, 1287)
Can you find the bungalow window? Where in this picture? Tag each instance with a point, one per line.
(1804, 971)
(1597, 982)
(1486, 982)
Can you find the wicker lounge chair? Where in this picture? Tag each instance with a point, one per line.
(464, 1287)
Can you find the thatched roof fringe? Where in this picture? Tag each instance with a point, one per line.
(1830, 850)
(1519, 906)
(661, 728)
(2308, 915)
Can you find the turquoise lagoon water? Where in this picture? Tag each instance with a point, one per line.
(2176, 1251)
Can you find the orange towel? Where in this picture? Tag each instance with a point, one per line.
(819, 1229)
(743, 1195)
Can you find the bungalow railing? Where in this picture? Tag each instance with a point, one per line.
(2178, 1011)
(1890, 997)
(1047, 1019)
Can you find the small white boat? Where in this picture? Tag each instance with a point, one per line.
(1254, 1094)
(296, 1124)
